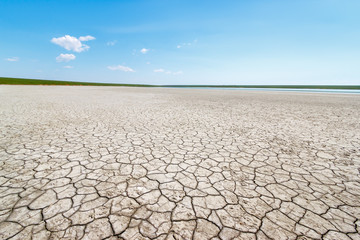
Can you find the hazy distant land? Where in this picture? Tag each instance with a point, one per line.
(25, 81)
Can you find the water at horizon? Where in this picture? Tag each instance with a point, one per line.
(305, 90)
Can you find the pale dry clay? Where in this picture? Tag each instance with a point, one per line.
(155, 163)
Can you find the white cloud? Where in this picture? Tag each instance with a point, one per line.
(178, 73)
(160, 70)
(111, 43)
(86, 38)
(183, 45)
(65, 57)
(148, 63)
(72, 43)
(68, 67)
(12, 59)
(144, 50)
(186, 44)
(121, 68)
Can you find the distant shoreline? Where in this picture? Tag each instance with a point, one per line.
(25, 81)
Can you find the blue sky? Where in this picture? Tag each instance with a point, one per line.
(182, 41)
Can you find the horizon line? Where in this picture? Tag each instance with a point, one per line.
(29, 81)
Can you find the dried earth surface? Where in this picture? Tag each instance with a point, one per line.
(155, 163)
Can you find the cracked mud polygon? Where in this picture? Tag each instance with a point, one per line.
(155, 163)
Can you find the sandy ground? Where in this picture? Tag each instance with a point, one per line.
(145, 163)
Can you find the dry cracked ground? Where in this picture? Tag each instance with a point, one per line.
(152, 163)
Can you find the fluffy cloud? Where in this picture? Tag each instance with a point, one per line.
(121, 68)
(160, 70)
(186, 44)
(144, 50)
(72, 43)
(65, 57)
(111, 43)
(178, 72)
(86, 38)
(183, 45)
(68, 67)
(12, 59)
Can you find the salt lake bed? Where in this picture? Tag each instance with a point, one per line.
(163, 163)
